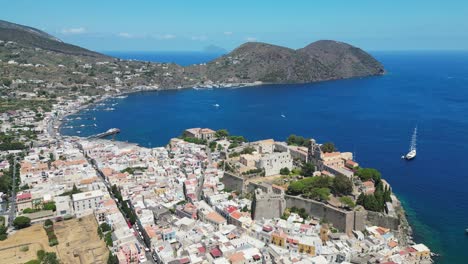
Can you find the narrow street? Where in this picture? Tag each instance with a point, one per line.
(12, 207)
(148, 255)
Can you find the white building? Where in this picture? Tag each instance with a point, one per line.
(85, 203)
(274, 162)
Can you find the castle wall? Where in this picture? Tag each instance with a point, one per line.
(233, 182)
(341, 219)
(380, 219)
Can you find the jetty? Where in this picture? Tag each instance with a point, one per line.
(109, 132)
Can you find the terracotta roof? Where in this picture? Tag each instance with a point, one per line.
(184, 260)
(23, 196)
(237, 257)
(392, 243)
(207, 130)
(107, 171)
(351, 163)
(236, 215)
(201, 249)
(231, 236)
(215, 217)
(231, 209)
(331, 154)
(216, 253)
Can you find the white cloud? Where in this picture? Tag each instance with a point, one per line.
(200, 38)
(228, 33)
(252, 39)
(125, 35)
(166, 36)
(79, 30)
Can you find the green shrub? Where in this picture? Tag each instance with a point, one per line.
(33, 261)
(48, 222)
(21, 222)
(285, 171)
(40, 255)
(24, 248)
(53, 242)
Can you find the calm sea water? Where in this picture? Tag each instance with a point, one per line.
(372, 117)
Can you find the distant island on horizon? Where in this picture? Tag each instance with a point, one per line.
(31, 54)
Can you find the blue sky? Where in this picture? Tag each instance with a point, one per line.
(173, 25)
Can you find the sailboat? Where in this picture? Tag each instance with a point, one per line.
(412, 151)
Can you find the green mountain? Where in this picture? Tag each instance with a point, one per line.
(319, 61)
(33, 60)
(35, 38)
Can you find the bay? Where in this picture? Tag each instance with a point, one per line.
(372, 117)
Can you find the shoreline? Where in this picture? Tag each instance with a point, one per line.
(405, 231)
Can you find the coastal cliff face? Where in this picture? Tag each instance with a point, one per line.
(33, 59)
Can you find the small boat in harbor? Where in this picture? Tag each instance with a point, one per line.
(412, 151)
(216, 105)
(283, 116)
(109, 109)
(466, 231)
(121, 97)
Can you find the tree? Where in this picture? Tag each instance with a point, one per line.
(212, 145)
(33, 261)
(245, 208)
(296, 188)
(112, 259)
(328, 147)
(108, 239)
(105, 227)
(321, 194)
(366, 174)
(237, 139)
(284, 171)
(99, 231)
(297, 141)
(347, 201)
(6, 82)
(222, 133)
(308, 169)
(21, 222)
(48, 222)
(50, 258)
(370, 203)
(49, 206)
(360, 199)
(342, 185)
(248, 150)
(3, 232)
(40, 254)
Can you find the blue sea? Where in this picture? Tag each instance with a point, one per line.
(372, 117)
